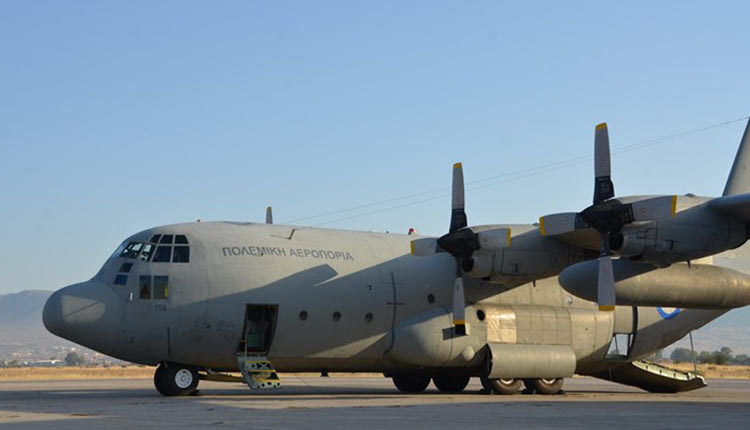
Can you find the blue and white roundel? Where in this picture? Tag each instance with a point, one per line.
(668, 313)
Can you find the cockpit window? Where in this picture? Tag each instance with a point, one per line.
(148, 249)
(161, 253)
(144, 287)
(161, 287)
(131, 251)
(181, 254)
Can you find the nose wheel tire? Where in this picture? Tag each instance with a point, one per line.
(502, 386)
(545, 386)
(173, 379)
(411, 382)
(451, 383)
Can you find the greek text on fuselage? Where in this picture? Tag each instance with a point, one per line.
(261, 251)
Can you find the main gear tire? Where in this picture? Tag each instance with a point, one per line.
(545, 386)
(451, 384)
(411, 383)
(502, 386)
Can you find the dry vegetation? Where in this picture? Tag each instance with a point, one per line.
(114, 372)
(41, 373)
(715, 371)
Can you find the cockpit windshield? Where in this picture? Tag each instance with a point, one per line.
(161, 248)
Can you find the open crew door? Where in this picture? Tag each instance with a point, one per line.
(258, 331)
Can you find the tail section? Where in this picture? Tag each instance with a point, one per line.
(739, 178)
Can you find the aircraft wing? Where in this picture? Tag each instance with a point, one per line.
(586, 238)
(736, 206)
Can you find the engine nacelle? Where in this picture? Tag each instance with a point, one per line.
(481, 264)
(692, 234)
(681, 286)
(531, 256)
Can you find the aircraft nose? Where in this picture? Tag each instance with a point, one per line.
(87, 313)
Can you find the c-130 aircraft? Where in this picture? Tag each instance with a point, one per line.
(590, 292)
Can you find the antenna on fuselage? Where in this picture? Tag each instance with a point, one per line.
(269, 215)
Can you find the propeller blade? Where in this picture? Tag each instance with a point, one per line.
(269, 215)
(604, 189)
(458, 215)
(555, 224)
(606, 285)
(459, 304)
(424, 246)
(654, 209)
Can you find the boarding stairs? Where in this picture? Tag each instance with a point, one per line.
(257, 371)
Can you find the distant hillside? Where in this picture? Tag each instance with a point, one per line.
(731, 329)
(21, 327)
(21, 316)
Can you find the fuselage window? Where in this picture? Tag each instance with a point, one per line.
(163, 254)
(181, 254)
(125, 268)
(145, 287)
(167, 238)
(121, 279)
(161, 287)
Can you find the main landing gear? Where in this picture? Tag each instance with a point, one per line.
(413, 383)
(544, 386)
(501, 386)
(172, 379)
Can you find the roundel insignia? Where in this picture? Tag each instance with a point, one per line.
(668, 313)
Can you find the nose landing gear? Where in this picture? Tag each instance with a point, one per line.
(172, 379)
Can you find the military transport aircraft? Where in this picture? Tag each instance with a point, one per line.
(589, 292)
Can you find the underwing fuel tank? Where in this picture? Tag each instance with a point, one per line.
(696, 286)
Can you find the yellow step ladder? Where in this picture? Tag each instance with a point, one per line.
(258, 372)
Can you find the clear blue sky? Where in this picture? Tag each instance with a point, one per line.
(115, 117)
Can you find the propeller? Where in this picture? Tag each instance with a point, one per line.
(269, 215)
(607, 216)
(461, 242)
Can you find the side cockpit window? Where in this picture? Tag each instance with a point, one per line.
(161, 248)
(132, 250)
(148, 249)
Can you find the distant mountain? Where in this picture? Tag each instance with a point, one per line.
(731, 329)
(21, 316)
(734, 318)
(22, 333)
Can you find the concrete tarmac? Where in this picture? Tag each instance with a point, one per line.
(363, 403)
